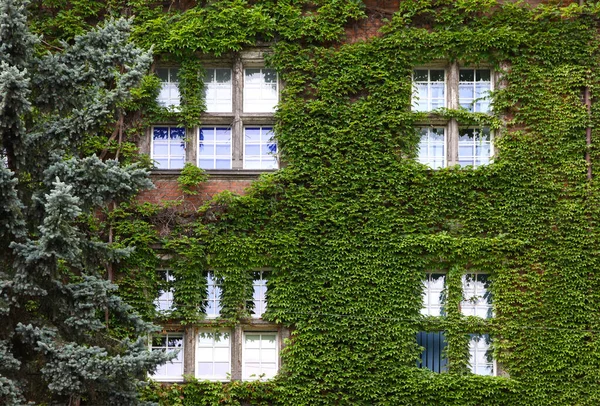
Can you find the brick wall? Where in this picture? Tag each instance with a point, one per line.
(168, 190)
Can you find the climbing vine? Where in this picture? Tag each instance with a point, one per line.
(352, 223)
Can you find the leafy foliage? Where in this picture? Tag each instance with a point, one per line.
(352, 222)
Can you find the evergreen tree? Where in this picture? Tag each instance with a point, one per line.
(54, 343)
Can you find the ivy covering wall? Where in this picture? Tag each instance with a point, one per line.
(352, 223)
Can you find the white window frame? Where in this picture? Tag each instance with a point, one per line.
(168, 157)
(478, 344)
(261, 158)
(452, 126)
(257, 104)
(432, 300)
(166, 296)
(214, 350)
(215, 144)
(174, 98)
(214, 86)
(429, 83)
(259, 294)
(475, 297)
(245, 376)
(178, 360)
(213, 296)
(474, 104)
(428, 159)
(474, 158)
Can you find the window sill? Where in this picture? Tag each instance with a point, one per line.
(218, 173)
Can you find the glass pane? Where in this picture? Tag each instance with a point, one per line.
(176, 163)
(207, 134)
(209, 76)
(205, 353)
(223, 164)
(163, 74)
(483, 75)
(252, 134)
(253, 76)
(205, 339)
(269, 340)
(252, 164)
(437, 75)
(177, 133)
(223, 149)
(162, 163)
(175, 342)
(252, 341)
(252, 355)
(223, 75)
(223, 134)
(466, 92)
(221, 354)
(206, 164)
(161, 133)
(205, 368)
(270, 75)
(269, 355)
(420, 75)
(252, 149)
(467, 75)
(437, 91)
(161, 149)
(174, 75)
(221, 369)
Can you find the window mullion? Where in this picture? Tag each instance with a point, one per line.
(237, 125)
(453, 103)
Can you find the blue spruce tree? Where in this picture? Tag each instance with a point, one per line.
(54, 345)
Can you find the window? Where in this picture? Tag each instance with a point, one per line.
(432, 147)
(213, 299)
(477, 298)
(473, 89)
(214, 148)
(213, 355)
(172, 371)
(430, 89)
(168, 147)
(474, 146)
(261, 92)
(260, 355)
(259, 295)
(260, 149)
(434, 345)
(218, 90)
(478, 302)
(433, 294)
(169, 91)
(237, 126)
(480, 358)
(164, 301)
(445, 142)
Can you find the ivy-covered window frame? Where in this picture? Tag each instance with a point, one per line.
(476, 302)
(226, 155)
(442, 139)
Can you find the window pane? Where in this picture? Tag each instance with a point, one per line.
(437, 75)
(483, 75)
(421, 75)
(467, 75)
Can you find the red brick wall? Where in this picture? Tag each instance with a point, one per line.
(168, 190)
